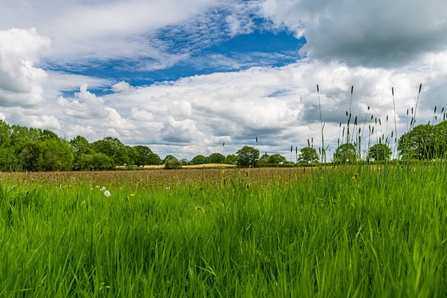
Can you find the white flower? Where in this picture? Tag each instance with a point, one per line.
(107, 193)
(103, 188)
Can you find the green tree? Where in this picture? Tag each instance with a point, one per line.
(145, 156)
(101, 161)
(5, 138)
(169, 157)
(199, 160)
(276, 159)
(57, 155)
(380, 152)
(216, 158)
(307, 155)
(231, 159)
(247, 156)
(172, 163)
(30, 156)
(113, 148)
(8, 159)
(424, 142)
(345, 153)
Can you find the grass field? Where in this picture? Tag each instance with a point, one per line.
(355, 231)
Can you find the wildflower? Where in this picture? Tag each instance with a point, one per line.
(355, 176)
(107, 193)
(132, 195)
(103, 188)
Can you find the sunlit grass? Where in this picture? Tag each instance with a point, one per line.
(321, 232)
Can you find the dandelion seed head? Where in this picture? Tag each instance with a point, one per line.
(107, 193)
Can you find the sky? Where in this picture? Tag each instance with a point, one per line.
(186, 76)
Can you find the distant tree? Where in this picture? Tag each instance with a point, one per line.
(199, 160)
(231, 159)
(168, 157)
(57, 154)
(8, 159)
(345, 153)
(276, 159)
(113, 148)
(216, 158)
(84, 162)
(145, 156)
(379, 152)
(5, 138)
(424, 142)
(184, 161)
(172, 163)
(101, 161)
(30, 156)
(247, 156)
(80, 145)
(132, 155)
(307, 155)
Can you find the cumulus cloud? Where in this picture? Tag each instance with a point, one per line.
(183, 131)
(141, 115)
(121, 87)
(20, 80)
(374, 34)
(86, 105)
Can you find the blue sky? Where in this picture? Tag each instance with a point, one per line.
(185, 76)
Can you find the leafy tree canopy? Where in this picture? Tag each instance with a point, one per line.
(199, 160)
(216, 158)
(380, 152)
(345, 153)
(247, 156)
(276, 159)
(424, 142)
(307, 155)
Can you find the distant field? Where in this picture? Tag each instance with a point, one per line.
(208, 165)
(354, 231)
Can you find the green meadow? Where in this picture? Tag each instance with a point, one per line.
(345, 231)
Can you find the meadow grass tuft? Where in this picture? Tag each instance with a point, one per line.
(355, 231)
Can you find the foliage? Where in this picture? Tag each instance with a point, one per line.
(216, 158)
(231, 159)
(247, 156)
(199, 160)
(276, 159)
(345, 153)
(145, 156)
(424, 142)
(379, 152)
(307, 155)
(113, 148)
(173, 163)
(101, 161)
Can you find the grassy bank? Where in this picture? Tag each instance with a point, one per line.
(344, 231)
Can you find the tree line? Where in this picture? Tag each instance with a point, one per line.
(33, 149)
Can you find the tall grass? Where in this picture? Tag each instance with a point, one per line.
(347, 231)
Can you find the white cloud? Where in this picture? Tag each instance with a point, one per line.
(239, 26)
(121, 87)
(87, 105)
(183, 131)
(376, 33)
(85, 31)
(141, 115)
(20, 81)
